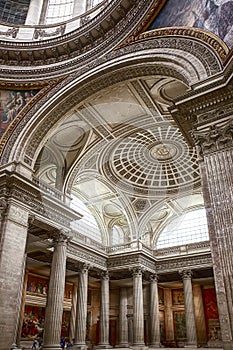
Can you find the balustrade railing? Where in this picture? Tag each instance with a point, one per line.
(183, 249)
(43, 32)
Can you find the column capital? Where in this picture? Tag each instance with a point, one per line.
(3, 207)
(60, 236)
(153, 278)
(137, 271)
(216, 138)
(104, 275)
(186, 274)
(83, 268)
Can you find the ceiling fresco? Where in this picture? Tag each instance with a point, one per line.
(215, 16)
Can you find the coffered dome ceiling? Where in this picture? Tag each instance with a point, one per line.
(120, 152)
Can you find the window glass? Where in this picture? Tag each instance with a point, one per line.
(59, 11)
(87, 225)
(188, 228)
(14, 11)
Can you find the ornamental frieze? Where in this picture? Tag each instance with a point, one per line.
(86, 256)
(128, 261)
(182, 263)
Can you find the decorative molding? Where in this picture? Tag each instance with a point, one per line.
(84, 43)
(205, 36)
(3, 207)
(42, 33)
(182, 263)
(86, 256)
(11, 32)
(129, 261)
(36, 202)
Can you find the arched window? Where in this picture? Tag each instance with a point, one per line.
(87, 225)
(188, 228)
(59, 11)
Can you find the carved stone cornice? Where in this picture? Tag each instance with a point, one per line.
(86, 256)
(210, 39)
(210, 103)
(131, 261)
(36, 200)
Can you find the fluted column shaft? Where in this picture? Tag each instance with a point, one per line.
(191, 332)
(73, 312)
(154, 313)
(13, 237)
(123, 321)
(215, 154)
(55, 299)
(104, 311)
(138, 312)
(81, 313)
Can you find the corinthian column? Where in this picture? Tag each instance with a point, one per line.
(154, 313)
(55, 299)
(104, 312)
(123, 321)
(81, 313)
(138, 313)
(191, 332)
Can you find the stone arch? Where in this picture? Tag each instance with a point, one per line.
(187, 59)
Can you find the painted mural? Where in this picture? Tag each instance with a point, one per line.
(213, 15)
(33, 322)
(179, 325)
(177, 297)
(37, 285)
(11, 103)
(211, 314)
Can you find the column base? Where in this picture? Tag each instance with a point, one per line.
(103, 346)
(79, 347)
(191, 346)
(139, 347)
(51, 347)
(155, 345)
(122, 346)
(15, 347)
(227, 345)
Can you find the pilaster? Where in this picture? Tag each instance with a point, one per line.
(34, 12)
(215, 149)
(199, 314)
(12, 265)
